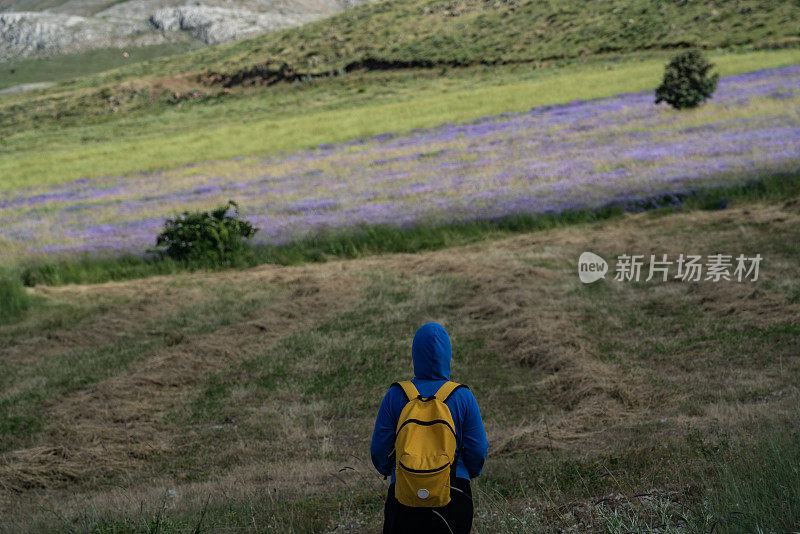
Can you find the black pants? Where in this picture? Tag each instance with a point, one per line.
(401, 519)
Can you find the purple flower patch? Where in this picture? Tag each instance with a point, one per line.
(618, 151)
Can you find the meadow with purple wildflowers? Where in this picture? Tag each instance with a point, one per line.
(545, 160)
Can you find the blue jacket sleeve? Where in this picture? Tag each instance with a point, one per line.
(474, 444)
(383, 436)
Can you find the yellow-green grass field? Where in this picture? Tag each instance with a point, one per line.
(67, 66)
(287, 118)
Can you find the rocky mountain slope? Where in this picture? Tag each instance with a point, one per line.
(42, 27)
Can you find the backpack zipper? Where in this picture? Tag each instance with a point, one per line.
(445, 466)
(427, 423)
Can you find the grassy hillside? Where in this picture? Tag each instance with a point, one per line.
(245, 400)
(197, 106)
(68, 66)
(39, 149)
(463, 32)
(577, 156)
(403, 33)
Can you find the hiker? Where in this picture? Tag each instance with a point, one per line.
(423, 425)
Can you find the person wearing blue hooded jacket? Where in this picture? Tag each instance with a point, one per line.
(431, 353)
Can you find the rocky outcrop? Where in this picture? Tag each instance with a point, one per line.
(84, 24)
(214, 25)
(33, 33)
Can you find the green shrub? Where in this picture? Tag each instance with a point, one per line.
(207, 238)
(687, 82)
(14, 301)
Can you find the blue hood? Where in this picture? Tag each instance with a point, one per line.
(431, 352)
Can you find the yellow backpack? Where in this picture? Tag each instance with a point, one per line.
(425, 448)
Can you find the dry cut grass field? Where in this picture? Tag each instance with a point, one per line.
(246, 399)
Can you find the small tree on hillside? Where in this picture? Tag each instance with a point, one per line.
(209, 238)
(687, 82)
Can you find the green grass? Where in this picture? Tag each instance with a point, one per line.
(757, 488)
(387, 239)
(14, 302)
(294, 388)
(255, 438)
(737, 484)
(264, 512)
(28, 388)
(66, 66)
(750, 486)
(403, 33)
(291, 118)
(406, 64)
(21, 417)
(753, 488)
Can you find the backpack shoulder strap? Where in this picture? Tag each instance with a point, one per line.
(447, 389)
(409, 389)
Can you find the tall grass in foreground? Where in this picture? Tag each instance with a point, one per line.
(749, 488)
(758, 489)
(382, 239)
(754, 488)
(13, 299)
